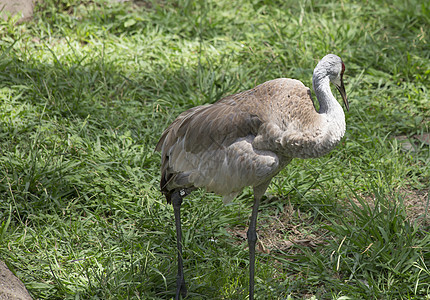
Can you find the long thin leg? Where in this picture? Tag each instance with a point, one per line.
(181, 289)
(252, 239)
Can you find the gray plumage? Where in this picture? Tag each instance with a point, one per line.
(247, 138)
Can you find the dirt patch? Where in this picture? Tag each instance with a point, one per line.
(13, 7)
(416, 203)
(11, 288)
(414, 142)
(281, 231)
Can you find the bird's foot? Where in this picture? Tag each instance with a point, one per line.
(181, 288)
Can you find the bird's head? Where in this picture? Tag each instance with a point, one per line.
(335, 68)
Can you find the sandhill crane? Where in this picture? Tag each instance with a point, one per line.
(246, 139)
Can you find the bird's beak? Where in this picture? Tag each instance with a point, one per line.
(342, 92)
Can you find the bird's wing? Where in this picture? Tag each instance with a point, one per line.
(210, 126)
(202, 134)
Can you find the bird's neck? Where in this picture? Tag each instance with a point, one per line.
(327, 102)
(332, 125)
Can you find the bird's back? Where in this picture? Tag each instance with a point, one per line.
(235, 142)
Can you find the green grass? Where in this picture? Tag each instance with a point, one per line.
(87, 87)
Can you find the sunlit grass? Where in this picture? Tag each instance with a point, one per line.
(87, 87)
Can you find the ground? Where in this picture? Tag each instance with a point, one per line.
(11, 287)
(25, 7)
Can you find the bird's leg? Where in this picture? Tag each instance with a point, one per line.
(252, 234)
(181, 289)
(252, 239)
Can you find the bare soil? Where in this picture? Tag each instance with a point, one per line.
(11, 288)
(12, 7)
(292, 227)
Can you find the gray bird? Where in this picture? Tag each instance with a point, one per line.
(247, 138)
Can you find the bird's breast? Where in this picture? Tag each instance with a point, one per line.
(226, 170)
